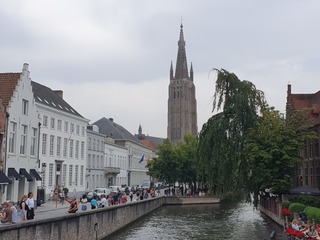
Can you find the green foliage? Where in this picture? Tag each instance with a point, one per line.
(313, 213)
(272, 151)
(313, 201)
(297, 207)
(222, 163)
(286, 205)
(175, 162)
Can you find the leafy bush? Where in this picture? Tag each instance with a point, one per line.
(313, 201)
(286, 205)
(297, 207)
(313, 213)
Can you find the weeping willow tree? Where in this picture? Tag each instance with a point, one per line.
(222, 162)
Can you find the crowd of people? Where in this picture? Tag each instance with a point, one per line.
(9, 213)
(303, 229)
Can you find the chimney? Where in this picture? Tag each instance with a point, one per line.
(59, 93)
(111, 119)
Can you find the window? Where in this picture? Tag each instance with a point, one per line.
(76, 175)
(93, 161)
(44, 144)
(64, 173)
(45, 121)
(98, 162)
(82, 150)
(316, 146)
(65, 147)
(59, 146)
(82, 131)
(98, 145)
(81, 175)
(43, 175)
(77, 150)
(51, 145)
(25, 106)
(78, 130)
(102, 150)
(23, 143)
(33, 142)
(52, 123)
(66, 126)
(71, 127)
(89, 147)
(89, 161)
(70, 174)
(94, 144)
(12, 138)
(71, 148)
(50, 175)
(59, 125)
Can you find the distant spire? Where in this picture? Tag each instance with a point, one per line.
(140, 129)
(171, 71)
(191, 72)
(181, 65)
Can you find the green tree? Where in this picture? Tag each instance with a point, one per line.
(175, 162)
(222, 162)
(272, 149)
(166, 164)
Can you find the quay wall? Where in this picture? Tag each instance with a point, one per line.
(95, 224)
(84, 225)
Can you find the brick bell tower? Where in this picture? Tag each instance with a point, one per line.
(182, 103)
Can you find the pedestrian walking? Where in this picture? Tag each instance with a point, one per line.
(30, 203)
(131, 195)
(14, 212)
(23, 207)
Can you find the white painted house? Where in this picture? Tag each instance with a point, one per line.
(20, 147)
(62, 145)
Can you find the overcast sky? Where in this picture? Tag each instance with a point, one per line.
(112, 58)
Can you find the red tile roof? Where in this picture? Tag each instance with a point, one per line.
(149, 144)
(8, 83)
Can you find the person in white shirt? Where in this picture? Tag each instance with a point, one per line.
(103, 201)
(30, 203)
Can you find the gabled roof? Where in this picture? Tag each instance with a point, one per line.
(47, 96)
(8, 83)
(111, 129)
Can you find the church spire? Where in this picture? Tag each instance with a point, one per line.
(191, 72)
(181, 65)
(140, 129)
(171, 71)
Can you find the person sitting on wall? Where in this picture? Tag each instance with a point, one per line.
(73, 205)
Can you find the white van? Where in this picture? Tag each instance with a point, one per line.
(115, 189)
(100, 191)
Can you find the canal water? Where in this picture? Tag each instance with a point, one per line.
(215, 221)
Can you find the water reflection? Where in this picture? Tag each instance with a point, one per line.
(227, 221)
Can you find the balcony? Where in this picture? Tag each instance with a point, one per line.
(111, 170)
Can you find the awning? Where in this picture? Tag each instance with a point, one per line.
(305, 190)
(35, 174)
(24, 172)
(13, 173)
(4, 179)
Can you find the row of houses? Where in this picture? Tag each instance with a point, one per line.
(44, 142)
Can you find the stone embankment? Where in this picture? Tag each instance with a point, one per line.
(97, 224)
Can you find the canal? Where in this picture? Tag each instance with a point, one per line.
(215, 221)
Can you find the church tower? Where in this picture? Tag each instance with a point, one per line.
(182, 104)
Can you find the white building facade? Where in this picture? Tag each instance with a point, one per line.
(21, 141)
(62, 145)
